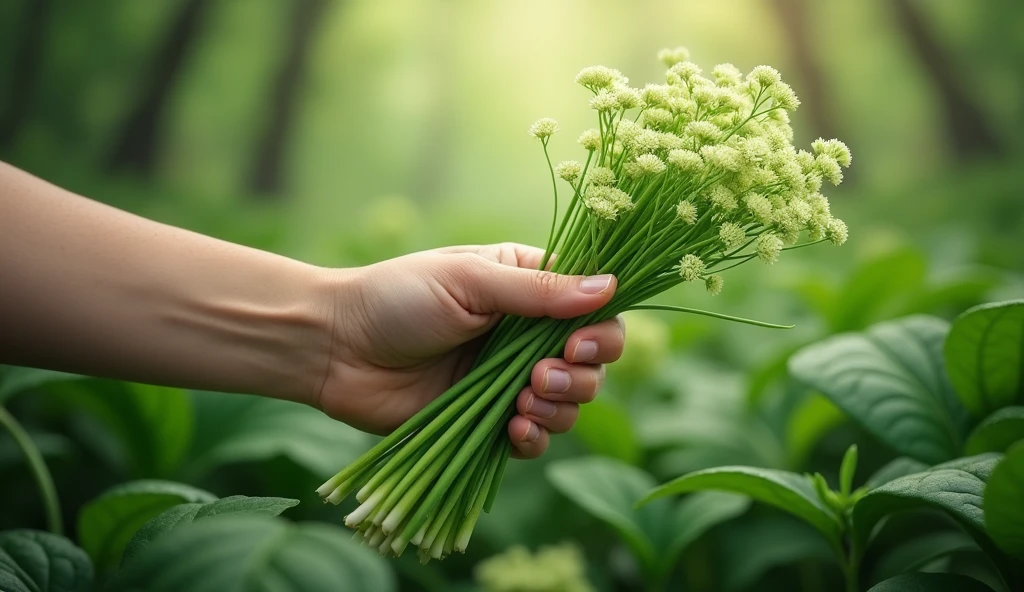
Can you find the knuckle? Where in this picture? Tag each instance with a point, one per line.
(547, 285)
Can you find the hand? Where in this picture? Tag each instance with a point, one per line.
(408, 328)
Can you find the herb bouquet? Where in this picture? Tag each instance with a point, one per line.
(681, 181)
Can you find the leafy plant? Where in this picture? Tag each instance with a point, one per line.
(34, 561)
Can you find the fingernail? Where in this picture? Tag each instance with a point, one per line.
(595, 284)
(531, 434)
(541, 408)
(585, 351)
(556, 381)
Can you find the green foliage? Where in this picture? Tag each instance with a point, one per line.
(1004, 503)
(997, 432)
(604, 427)
(985, 356)
(656, 533)
(249, 553)
(891, 380)
(188, 513)
(239, 428)
(16, 379)
(106, 524)
(931, 582)
(34, 561)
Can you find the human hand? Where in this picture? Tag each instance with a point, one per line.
(406, 329)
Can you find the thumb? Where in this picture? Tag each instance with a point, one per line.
(531, 293)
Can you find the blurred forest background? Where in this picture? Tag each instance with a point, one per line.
(342, 132)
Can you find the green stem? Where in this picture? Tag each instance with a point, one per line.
(708, 313)
(37, 466)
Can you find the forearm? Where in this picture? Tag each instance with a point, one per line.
(90, 289)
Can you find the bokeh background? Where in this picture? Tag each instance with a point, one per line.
(343, 132)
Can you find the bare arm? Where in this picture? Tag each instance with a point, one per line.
(91, 289)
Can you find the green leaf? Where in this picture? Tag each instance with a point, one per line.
(919, 552)
(152, 424)
(894, 469)
(750, 548)
(787, 491)
(985, 356)
(605, 428)
(997, 432)
(107, 523)
(930, 582)
(15, 379)
(255, 553)
(657, 533)
(809, 422)
(36, 561)
(890, 379)
(847, 470)
(1004, 503)
(240, 428)
(180, 515)
(954, 488)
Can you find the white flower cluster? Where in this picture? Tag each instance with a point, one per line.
(710, 154)
(560, 568)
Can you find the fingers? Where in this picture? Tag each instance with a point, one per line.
(597, 344)
(555, 417)
(514, 254)
(529, 440)
(493, 287)
(556, 380)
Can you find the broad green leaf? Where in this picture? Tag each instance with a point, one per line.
(107, 523)
(240, 428)
(152, 424)
(36, 561)
(15, 379)
(179, 515)
(605, 428)
(985, 356)
(890, 379)
(930, 582)
(919, 552)
(954, 488)
(1004, 503)
(751, 547)
(897, 467)
(997, 432)
(787, 491)
(657, 533)
(255, 553)
(609, 490)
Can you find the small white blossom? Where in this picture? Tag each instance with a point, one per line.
(569, 170)
(829, 168)
(768, 247)
(686, 212)
(705, 132)
(544, 128)
(686, 161)
(604, 100)
(671, 57)
(685, 71)
(764, 76)
(836, 231)
(833, 148)
(627, 97)
(601, 176)
(691, 267)
(590, 139)
(722, 198)
(723, 157)
(645, 141)
(784, 97)
(667, 141)
(659, 118)
(655, 95)
(759, 207)
(732, 235)
(650, 164)
(596, 78)
(713, 284)
(727, 75)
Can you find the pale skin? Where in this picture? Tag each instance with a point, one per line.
(91, 289)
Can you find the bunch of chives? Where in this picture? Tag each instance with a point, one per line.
(681, 181)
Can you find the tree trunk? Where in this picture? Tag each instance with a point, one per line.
(792, 16)
(137, 145)
(970, 135)
(266, 177)
(25, 70)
